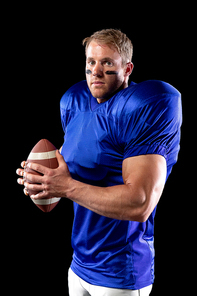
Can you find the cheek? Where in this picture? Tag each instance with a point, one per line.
(88, 79)
(115, 81)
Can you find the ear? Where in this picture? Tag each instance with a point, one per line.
(128, 69)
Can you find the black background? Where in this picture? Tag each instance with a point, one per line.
(43, 57)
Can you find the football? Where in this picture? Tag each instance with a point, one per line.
(43, 153)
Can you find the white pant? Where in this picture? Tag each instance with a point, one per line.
(78, 287)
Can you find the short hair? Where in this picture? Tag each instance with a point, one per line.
(114, 38)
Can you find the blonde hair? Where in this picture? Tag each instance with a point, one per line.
(114, 38)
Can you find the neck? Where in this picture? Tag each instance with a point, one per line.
(123, 86)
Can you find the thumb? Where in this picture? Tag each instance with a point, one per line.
(60, 158)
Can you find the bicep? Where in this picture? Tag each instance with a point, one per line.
(145, 175)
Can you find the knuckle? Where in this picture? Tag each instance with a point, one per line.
(27, 176)
(32, 186)
(46, 188)
(50, 173)
(35, 167)
(45, 181)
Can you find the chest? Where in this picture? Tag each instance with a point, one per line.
(91, 148)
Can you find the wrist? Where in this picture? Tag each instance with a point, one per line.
(70, 188)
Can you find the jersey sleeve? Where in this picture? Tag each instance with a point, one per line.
(66, 106)
(63, 112)
(73, 96)
(154, 128)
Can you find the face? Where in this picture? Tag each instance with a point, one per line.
(105, 73)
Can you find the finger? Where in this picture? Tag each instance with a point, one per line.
(33, 187)
(20, 172)
(38, 168)
(33, 178)
(39, 195)
(20, 181)
(60, 158)
(25, 191)
(23, 164)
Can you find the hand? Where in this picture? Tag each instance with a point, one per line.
(20, 172)
(54, 182)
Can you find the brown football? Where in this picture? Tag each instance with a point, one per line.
(43, 153)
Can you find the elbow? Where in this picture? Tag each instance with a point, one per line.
(139, 215)
(145, 208)
(142, 206)
(142, 211)
(141, 218)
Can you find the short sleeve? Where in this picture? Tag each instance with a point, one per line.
(63, 112)
(72, 99)
(154, 128)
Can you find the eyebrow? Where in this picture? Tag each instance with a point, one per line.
(108, 59)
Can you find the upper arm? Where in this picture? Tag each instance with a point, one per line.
(145, 175)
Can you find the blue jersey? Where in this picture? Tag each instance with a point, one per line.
(144, 118)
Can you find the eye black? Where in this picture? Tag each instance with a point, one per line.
(88, 71)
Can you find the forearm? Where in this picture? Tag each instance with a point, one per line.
(117, 202)
(134, 200)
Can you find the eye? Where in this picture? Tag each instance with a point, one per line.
(108, 64)
(91, 62)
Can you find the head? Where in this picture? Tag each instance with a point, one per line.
(108, 62)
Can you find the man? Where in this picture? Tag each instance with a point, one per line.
(119, 148)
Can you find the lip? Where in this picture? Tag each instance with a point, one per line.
(97, 83)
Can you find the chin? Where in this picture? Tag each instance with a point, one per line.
(99, 94)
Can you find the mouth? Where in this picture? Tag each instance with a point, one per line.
(97, 83)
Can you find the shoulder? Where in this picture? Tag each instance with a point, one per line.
(150, 93)
(151, 88)
(76, 92)
(80, 86)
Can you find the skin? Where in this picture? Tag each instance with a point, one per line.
(101, 58)
(144, 176)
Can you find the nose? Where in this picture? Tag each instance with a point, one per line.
(97, 70)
